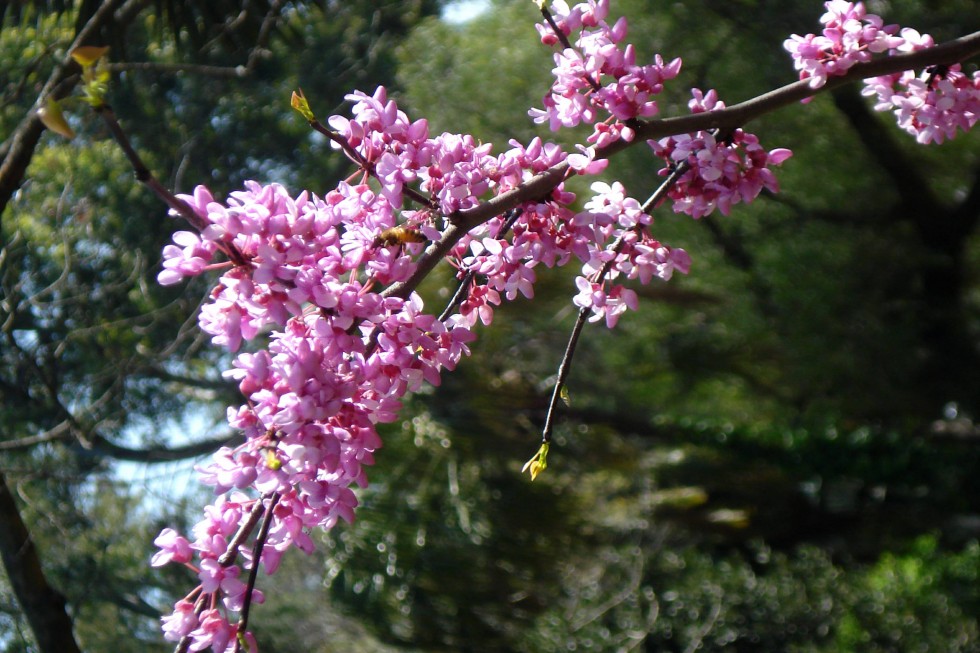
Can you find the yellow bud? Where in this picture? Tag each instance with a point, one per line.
(96, 86)
(52, 117)
(538, 462)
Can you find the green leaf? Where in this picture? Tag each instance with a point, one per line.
(298, 102)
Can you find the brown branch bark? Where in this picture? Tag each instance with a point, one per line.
(61, 432)
(43, 605)
(738, 115)
(101, 446)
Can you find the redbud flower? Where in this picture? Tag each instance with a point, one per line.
(850, 36)
(173, 548)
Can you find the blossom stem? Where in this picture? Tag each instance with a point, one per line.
(144, 176)
(566, 361)
(464, 285)
(366, 165)
(563, 369)
(199, 606)
(458, 296)
(565, 43)
(229, 556)
(253, 572)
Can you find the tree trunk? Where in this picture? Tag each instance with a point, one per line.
(43, 605)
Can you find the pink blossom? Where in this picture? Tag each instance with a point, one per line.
(609, 305)
(173, 548)
(189, 257)
(850, 36)
(585, 162)
(215, 632)
(181, 622)
(599, 77)
(719, 173)
(932, 106)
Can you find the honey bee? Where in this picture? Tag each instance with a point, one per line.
(398, 236)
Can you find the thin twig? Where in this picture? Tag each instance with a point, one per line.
(265, 32)
(146, 177)
(563, 369)
(231, 554)
(60, 432)
(143, 174)
(253, 572)
(665, 187)
(464, 284)
(366, 165)
(458, 296)
(565, 43)
(566, 361)
(170, 68)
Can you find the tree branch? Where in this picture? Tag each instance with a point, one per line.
(566, 361)
(220, 385)
(738, 115)
(101, 446)
(170, 68)
(61, 432)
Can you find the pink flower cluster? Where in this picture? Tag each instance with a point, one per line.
(931, 106)
(598, 82)
(581, 92)
(550, 233)
(338, 359)
(451, 168)
(618, 243)
(719, 172)
(850, 36)
(307, 277)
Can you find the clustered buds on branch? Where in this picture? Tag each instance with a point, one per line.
(328, 284)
